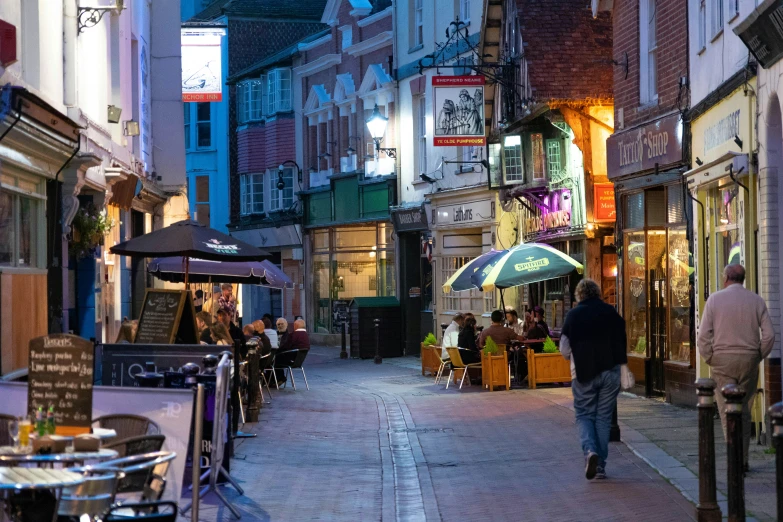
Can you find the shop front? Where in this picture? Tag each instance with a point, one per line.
(414, 273)
(465, 224)
(723, 183)
(654, 263)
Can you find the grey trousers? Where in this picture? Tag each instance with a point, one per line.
(742, 370)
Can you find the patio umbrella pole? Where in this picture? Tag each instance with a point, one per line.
(187, 268)
(502, 304)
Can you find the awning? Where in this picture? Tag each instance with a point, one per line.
(286, 236)
(718, 168)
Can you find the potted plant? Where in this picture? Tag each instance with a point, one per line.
(88, 230)
(430, 355)
(494, 366)
(547, 367)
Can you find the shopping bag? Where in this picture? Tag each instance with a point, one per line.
(627, 380)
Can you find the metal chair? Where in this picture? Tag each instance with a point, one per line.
(457, 364)
(282, 361)
(145, 474)
(127, 425)
(265, 363)
(92, 497)
(149, 511)
(297, 365)
(137, 445)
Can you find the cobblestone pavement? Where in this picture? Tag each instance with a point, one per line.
(381, 442)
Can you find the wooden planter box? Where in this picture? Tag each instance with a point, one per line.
(430, 359)
(547, 367)
(494, 371)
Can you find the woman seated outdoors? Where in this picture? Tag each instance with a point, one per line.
(467, 341)
(220, 334)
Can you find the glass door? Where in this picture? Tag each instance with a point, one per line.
(657, 280)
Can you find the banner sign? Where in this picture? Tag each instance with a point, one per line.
(762, 32)
(604, 203)
(556, 214)
(459, 111)
(202, 75)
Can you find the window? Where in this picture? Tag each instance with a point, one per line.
(702, 25)
(464, 10)
(21, 223)
(421, 128)
(203, 125)
(281, 199)
(468, 301)
(539, 160)
(251, 193)
(717, 17)
(347, 37)
(554, 160)
(418, 22)
(648, 52)
(249, 101)
(733, 9)
(512, 159)
(187, 125)
(278, 91)
(202, 200)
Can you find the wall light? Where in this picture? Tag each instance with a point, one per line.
(699, 162)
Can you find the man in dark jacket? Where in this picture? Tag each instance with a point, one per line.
(594, 338)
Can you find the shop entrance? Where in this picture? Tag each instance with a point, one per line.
(658, 340)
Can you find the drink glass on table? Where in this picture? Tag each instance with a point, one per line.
(25, 427)
(13, 431)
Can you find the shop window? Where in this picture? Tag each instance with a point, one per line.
(635, 292)
(354, 238)
(321, 294)
(634, 210)
(675, 204)
(251, 193)
(320, 240)
(202, 200)
(22, 238)
(725, 207)
(680, 298)
(203, 125)
(513, 171)
(281, 199)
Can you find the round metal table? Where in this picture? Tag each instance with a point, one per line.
(32, 479)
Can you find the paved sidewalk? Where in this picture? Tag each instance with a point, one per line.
(381, 442)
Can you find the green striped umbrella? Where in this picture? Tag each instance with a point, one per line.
(529, 263)
(466, 277)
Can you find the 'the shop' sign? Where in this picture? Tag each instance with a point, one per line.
(641, 148)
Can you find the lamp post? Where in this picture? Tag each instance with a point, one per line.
(281, 169)
(377, 123)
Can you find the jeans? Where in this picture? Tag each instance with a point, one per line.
(594, 403)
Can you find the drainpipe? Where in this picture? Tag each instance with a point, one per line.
(70, 29)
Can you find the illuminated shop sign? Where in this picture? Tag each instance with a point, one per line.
(202, 75)
(555, 214)
(604, 204)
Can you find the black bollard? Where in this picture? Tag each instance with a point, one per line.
(707, 510)
(343, 351)
(253, 380)
(734, 451)
(614, 431)
(776, 418)
(378, 358)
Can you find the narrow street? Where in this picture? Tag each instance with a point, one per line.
(371, 442)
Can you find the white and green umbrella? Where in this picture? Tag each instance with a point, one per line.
(529, 263)
(471, 274)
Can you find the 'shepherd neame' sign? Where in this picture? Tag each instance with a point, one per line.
(641, 148)
(60, 374)
(762, 32)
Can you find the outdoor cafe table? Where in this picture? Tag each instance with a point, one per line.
(68, 458)
(30, 479)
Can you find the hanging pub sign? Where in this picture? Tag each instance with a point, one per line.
(202, 73)
(603, 203)
(459, 111)
(762, 32)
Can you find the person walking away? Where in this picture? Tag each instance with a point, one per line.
(203, 323)
(451, 334)
(735, 335)
(594, 339)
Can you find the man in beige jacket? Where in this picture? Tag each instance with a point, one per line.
(735, 334)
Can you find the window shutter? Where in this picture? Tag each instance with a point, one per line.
(635, 211)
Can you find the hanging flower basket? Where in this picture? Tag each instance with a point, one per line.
(88, 229)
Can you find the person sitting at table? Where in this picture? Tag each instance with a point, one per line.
(263, 338)
(234, 331)
(451, 333)
(514, 322)
(499, 333)
(127, 332)
(298, 340)
(467, 337)
(270, 331)
(538, 319)
(220, 335)
(203, 323)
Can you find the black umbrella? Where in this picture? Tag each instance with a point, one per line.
(189, 239)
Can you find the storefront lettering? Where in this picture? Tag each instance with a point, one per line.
(463, 214)
(549, 221)
(531, 265)
(652, 145)
(722, 131)
(641, 148)
(409, 219)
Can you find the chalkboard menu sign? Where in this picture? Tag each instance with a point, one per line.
(167, 317)
(60, 375)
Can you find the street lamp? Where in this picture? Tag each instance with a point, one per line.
(377, 125)
(281, 168)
